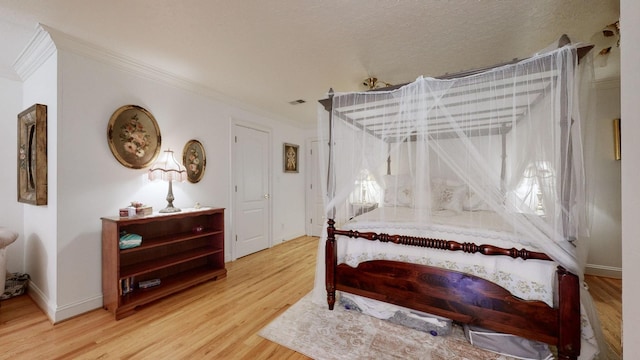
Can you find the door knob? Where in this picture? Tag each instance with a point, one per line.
(266, 196)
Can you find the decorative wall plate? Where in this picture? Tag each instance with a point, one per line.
(195, 160)
(134, 136)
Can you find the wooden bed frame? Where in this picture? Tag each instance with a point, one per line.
(458, 296)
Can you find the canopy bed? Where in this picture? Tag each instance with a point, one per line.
(479, 198)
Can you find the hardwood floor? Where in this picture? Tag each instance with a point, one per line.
(215, 320)
(607, 296)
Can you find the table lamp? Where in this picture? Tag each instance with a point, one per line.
(168, 169)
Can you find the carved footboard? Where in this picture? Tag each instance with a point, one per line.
(461, 297)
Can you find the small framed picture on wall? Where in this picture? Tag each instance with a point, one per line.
(290, 158)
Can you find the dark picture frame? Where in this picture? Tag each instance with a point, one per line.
(194, 160)
(134, 136)
(290, 158)
(32, 155)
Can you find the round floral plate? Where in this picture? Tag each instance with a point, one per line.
(134, 136)
(194, 159)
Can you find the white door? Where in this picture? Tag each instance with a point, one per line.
(251, 190)
(315, 199)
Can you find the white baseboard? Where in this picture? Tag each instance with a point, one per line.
(78, 308)
(606, 271)
(58, 314)
(41, 300)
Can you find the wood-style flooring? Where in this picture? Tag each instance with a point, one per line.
(215, 320)
(607, 296)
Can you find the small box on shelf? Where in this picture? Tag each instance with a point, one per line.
(144, 210)
(136, 209)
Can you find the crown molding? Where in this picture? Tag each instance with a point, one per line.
(121, 62)
(48, 40)
(39, 49)
(9, 74)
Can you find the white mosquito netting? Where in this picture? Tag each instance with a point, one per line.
(507, 140)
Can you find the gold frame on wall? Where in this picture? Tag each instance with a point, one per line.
(32, 155)
(194, 160)
(134, 136)
(617, 150)
(290, 159)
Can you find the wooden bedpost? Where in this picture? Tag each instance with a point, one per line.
(330, 263)
(331, 182)
(503, 167)
(330, 246)
(388, 158)
(569, 312)
(566, 158)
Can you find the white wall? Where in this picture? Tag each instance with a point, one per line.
(40, 222)
(10, 209)
(82, 90)
(630, 83)
(605, 249)
(288, 216)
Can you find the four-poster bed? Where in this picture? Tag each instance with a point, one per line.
(484, 165)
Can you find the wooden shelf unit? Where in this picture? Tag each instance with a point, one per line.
(181, 249)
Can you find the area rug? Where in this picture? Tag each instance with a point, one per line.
(313, 330)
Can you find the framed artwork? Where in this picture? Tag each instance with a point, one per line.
(290, 158)
(195, 160)
(32, 155)
(134, 136)
(617, 152)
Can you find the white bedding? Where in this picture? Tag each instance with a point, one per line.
(533, 280)
(486, 226)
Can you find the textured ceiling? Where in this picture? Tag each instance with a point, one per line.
(268, 53)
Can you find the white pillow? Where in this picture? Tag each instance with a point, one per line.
(402, 196)
(473, 202)
(447, 197)
(398, 190)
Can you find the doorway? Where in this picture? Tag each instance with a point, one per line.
(251, 186)
(315, 204)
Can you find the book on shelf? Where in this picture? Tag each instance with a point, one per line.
(128, 241)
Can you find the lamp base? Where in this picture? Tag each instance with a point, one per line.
(170, 209)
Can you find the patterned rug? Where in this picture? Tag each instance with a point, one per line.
(319, 333)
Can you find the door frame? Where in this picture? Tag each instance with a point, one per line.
(309, 196)
(232, 177)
